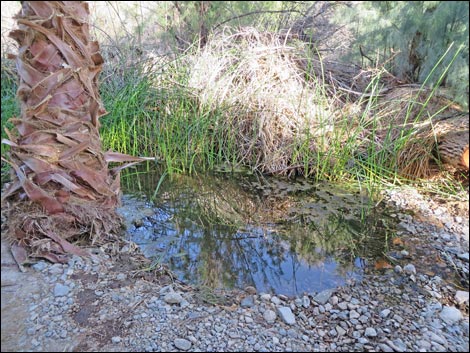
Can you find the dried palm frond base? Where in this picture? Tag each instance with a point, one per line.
(53, 236)
(425, 128)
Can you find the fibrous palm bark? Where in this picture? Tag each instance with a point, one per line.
(62, 188)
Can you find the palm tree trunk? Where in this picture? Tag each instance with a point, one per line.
(62, 189)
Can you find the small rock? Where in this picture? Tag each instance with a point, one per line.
(60, 290)
(398, 318)
(397, 344)
(463, 256)
(438, 347)
(370, 332)
(41, 265)
(173, 298)
(410, 268)
(384, 313)
(436, 338)
(275, 300)
(305, 301)
(286, 315)
(182, 344)
(56, 269)
(451, 314)
(341, 331)
(334, 300)
(247, 302)
(270, 316)
(265, 297)
(323, 296)
(35, 342)
(121, 277)
(116, 339)
(425, 345)
(353, 314)
(461, 297)
(250, 290)
(385, 348)
(398, 269)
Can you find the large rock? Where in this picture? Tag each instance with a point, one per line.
(451, 314)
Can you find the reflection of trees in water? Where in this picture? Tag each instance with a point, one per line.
(229, 229)
(221, 256)
(344, 239)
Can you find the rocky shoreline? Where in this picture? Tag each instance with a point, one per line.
(107, 302)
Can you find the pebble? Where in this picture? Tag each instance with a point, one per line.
(340, 331)
(436, 338)
(410, 269)
(398, 269)
(370, 332)
(385, 348)
(451, 314)
(384, 313)
(286, 315)
(353, 314)
(60, 290)
(463, 256)
(182, 344)
(247, 302)
(173, 298)
(40, 266)
(323, 297)
(461, 297)
(305, 301)
(270, 316)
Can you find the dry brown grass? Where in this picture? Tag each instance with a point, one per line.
(277, 94)
(261, 82)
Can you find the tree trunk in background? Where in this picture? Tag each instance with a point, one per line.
(61, 188)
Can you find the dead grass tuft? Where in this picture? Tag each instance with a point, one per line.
(261, 82)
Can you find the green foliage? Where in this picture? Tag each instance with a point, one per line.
(150, 116)
(413, 36)
(9, 108)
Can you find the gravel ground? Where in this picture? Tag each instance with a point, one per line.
(105, 303)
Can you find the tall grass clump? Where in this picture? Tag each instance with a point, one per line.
(9, 108)
(282, 120)
(152, 113)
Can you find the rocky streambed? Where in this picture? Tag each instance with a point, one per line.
(110, 302)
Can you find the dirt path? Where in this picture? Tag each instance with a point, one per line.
(15, 287)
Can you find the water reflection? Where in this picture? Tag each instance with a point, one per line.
(232, 231)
